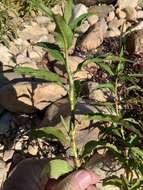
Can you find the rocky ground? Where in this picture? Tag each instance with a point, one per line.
(27, 103)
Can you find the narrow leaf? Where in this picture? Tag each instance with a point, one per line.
(49, 132)
(43, 74)
(53, 49)
(68, 10)
(65, 124)
(106, 85)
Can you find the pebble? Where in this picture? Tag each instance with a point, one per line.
(78, 10)
(8, 154)
(110, 16)
(120, 13)
(140, 14)
(33, 150)
(93, 19)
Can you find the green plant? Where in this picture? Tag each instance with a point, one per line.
(125, 132)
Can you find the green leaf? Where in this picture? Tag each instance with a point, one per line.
(64, 32)
(106, 67)
(50, 132)
(74, 24)
(65, 124)
(91, 146)
(43, 74)
(68, 10)
(121, 63)
(113, 180)
(57, 168)
(136, 75)
(106, 85)
(53, 49)
(40, 5)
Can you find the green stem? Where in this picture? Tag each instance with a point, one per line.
(116, 97)
(71, 93)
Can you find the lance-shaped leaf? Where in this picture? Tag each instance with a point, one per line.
(68, 10)
(43, 74)
(41, 6)
(91, 146)
(53, 49)
(74, 24)
(63, 31)
(50, 132)
(57, 168)
(106, 85)
(121, 63)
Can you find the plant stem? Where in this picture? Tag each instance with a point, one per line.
(116, 97)
(72, 96)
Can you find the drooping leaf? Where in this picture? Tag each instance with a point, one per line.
(50, 132)
(91, 146)
(43, 74)
(53, 49)
(121, 63)
(57, 168)
(40, 5)
(74, 24)
(64, 30)
(106, 85)
(68, 10)
(113, 180)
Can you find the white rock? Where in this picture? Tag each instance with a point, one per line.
(131, 13)
(33, 150)
(127, 3)
(140, 14)
(110, 16)
(8, 154)
(43, 19)
(120, 13)
(78, 10)
(18, 146)
(93, 19)
(84, 27)
(51, 27)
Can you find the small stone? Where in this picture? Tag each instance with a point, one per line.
(8, 154)
(110, 16)
(83, 28)
(140, 14)
(93, 19)
(51, 27)
(122, 4)
(120, 13)
(18, 146)
(114, 33)
(42, 19)
(131, 13)
(78, 10)
(33, 150)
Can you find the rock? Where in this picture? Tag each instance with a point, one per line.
(62, 108)
(33, 150)
(33, 33)
(83, 27)
(18, 146)
(140, 14)
(94, 36)
(43, 20)
(98, 94)
(93, 19)
(27, 97)
(74, 62)
(6, 61)
(122, 4)
(114, 33)
(110, 16)
(105, 166)
(101, 11)
(134, 42)
(51, 27)
(120, 13)
(3, 172)
(78, 10)
(57, 9)
(5, 123)
(131, 13)
(8, 154)
(114, 26)
(93, 2)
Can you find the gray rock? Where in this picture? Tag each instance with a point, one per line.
(122, 4)
(78, 10)
(101, 11)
